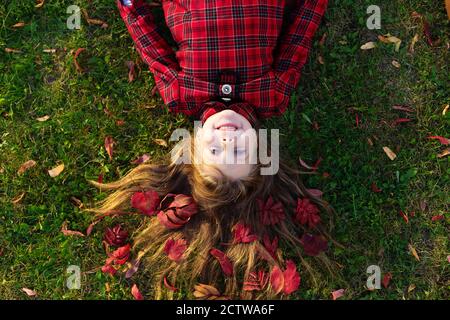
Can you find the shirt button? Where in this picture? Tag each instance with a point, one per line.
(226, 89)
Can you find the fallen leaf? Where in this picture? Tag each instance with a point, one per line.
(133, 267)
(175, 249)
(144, 158)
(404, 216)
(25, 166)
(413, 43)
(49, 50)
(427, 32)
(403, 108)
(337, 294)
(56, 170)
(39, 3)
(160, 142)
(389, 153)
(400, 120)
(146, 202)
(444, 111)
(396, 64)
(109, 146)
(11, 50)
(242, 234)
(29, 292)
(68, 232)
(444, 153)
(386, 279)
(437, 217)
(411, 287)
(391, 39)
(75, 59)
(205, 291)
(131, 71)
(320, 59)
(413, 252)
(169, 286)
(374, 188)
(442, 140)
(44, 118)
(224, 261)
(322, 39)
(315, 192)
(17, 199)
(136, 293)
(369, 45)
(19, 25)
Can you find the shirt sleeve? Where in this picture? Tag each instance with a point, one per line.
(152, 47)
(295, 42)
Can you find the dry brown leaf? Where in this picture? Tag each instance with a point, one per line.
(76, 202)
(12, 50)
(109, 146)
(131, 71)
(17, 199)
(413, 43)
(370, 142)
(411, 287)
(68, 232)
(413, 252)
(56, 170)
(75, 59)
(444, 153)
(204, 291)
(391, 39)
(39, 3)
(396, 64)
(160, 142)
(19, 25)
(369, 45)
(389, 153)
(29, 292)
(44, 118)
(320, 59)
(25, 166)
(444, 111)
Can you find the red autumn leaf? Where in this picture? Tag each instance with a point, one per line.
(136, 293)
(437, 218)
(374, 188)
(169, 286)
(100, 178)
(270, 246)
(242, 234)
(141, 159)
(403, 108)
(315, 192)
(107, 268)
(224, 261)
(120, 122)
(91, 227)
(357, 120)
(291, 278)
(427, 32)
(75, 59)
(337, 294)
(404, 216)
(109, 146)
(119, 256)
(307, 213)
(67, 232)
(175, 249)
(146, 202)
(270, 212)
(313, 245)
(131, 71)
(287, 281)
(176, 210)
(400, 120)
(116, 236)
(277, 279)
(386, 279)
(303, 164)
(256, 281)
(442, 140)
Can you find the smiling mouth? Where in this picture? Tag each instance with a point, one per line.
(227, 127)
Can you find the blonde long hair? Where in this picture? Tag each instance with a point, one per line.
(222, 204)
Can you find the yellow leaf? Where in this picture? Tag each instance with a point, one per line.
(18, 198)
(369, 45)
(444, 111)
(444, 153)
(396, 64)
(411, 287)
(39, 3)
(413, 43)
(389, 153)
(413, 252)
(44, 118)
(56, 170)
(19, 25)
(160, 142)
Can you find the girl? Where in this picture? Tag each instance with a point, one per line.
(213, 231)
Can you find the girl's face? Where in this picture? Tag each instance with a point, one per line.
(226, 142)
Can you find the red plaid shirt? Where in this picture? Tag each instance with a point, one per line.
(223, 45)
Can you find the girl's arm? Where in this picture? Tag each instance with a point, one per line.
(295, 41)
(152, 47)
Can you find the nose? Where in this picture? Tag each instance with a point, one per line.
(227, 140)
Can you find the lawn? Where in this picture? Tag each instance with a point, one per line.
(342, 112)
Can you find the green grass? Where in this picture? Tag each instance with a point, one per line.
(35, 254)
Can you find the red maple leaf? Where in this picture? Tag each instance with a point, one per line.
(224, 261)
(175, 249)
(270, 212)
(146, 202)
(256, 281)
(242, 234)
(271, 245)
(287, 281)
(313, 245)
(307, 213)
